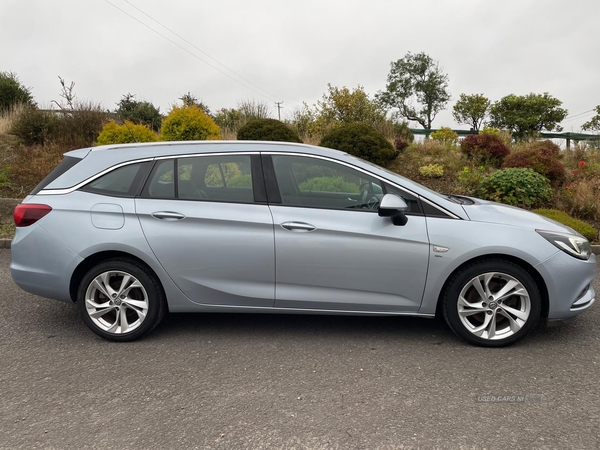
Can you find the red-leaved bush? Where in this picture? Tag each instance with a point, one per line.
(543, 157)
(487, 147)
(400, 144)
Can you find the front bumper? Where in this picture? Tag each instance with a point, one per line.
(569, 284)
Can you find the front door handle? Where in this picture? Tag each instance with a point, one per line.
(168, 215)
(298, 226)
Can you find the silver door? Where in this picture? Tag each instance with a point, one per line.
(214, 242)
(333, 251)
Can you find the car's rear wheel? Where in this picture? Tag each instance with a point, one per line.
(120, 300)
(492, 303)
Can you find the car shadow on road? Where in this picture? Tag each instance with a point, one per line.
(60, 319)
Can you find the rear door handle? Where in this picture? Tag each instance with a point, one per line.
(298, 226)
(168, 215)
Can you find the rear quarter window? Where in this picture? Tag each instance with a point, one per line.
(122, 182)
(67, 163)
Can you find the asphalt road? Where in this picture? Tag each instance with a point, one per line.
(271, 381)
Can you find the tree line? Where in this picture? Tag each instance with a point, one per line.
(416, 90)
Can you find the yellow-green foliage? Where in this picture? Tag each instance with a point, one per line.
(578, 225)
(445, 135)
(129, 132)
(189, 123)
(432, 171)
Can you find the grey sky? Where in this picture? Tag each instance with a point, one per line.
(293, 49)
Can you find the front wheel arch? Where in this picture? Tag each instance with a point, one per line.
(539, 280)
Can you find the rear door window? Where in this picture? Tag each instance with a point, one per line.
(223, 178)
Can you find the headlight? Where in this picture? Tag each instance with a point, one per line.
(574, 245)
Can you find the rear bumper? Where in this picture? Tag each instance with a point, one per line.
(41, 264)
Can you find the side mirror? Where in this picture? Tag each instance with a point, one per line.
(395, 207)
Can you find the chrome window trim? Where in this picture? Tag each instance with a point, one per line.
(90, 179)
(254, 152)
(371, 174)
(117, 166)
(159, 158)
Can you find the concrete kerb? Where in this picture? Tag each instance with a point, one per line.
(5, 243)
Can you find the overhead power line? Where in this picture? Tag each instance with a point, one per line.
(199, 49)
(191, 53)
(579, 116)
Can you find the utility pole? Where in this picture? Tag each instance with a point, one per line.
(279, 109)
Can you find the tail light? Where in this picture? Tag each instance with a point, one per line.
(29, 213)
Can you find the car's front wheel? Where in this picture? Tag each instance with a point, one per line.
(492, 303)
(120, 300)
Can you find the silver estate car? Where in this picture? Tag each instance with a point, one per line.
(131, 232)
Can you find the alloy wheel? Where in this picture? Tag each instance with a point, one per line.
(116, 302)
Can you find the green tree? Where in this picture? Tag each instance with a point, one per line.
(527, 115)
(189, 123)
(229, 119)
(594, 123)
(471, 110)
(139, 112)
(191, 100)
(251, 109)
(349, 106)
(418, 87)
(13, 92)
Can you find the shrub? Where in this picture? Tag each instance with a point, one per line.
(432, 171)
(518, 187)
(581, 198)
(486, 147)
(470, 179)
(504, 135)
(13, 92)
(445, 135)
(139, 112)
(188, 123)
(580, 226)
(34, 126)
(541, 157)
(267, 130)
(392, 129)
(400, 144)
(68, 128)
(80, 126)
(360, 140)
(112, 133)
(548, 146)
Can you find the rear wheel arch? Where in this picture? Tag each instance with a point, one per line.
(537, 277)
(93, 260)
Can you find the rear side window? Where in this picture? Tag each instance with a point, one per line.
(223, 178)
(123, 182)
(67, 163)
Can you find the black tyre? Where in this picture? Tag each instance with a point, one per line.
(120, 300)
(492, 303)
